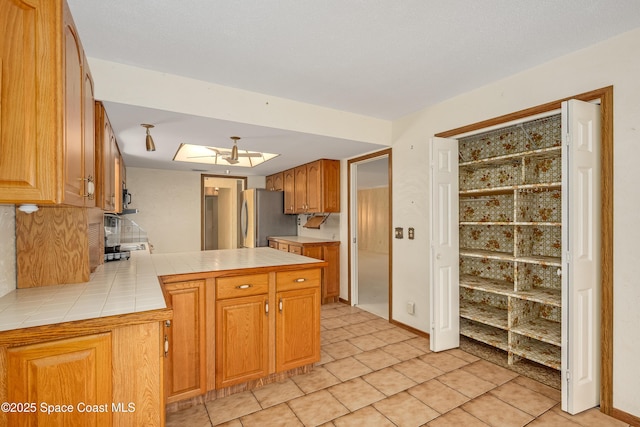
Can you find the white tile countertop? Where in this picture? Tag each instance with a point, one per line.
(125, 287)
(303, 239)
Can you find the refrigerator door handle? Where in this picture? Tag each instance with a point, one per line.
(244, 219)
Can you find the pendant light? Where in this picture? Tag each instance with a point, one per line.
(234, 150)
(150, 145)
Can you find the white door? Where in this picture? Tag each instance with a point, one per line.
(581, 256)
(444, 288)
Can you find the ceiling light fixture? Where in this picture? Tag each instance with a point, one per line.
(221, 156)
(150, 145)
(234, 150)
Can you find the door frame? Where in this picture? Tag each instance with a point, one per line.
(350, 200)
(203, 178)
(605, 95)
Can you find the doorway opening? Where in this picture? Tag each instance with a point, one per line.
(369, 233)
(220, 200)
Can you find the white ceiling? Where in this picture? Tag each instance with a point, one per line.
(379, 58)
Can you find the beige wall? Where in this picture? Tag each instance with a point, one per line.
(169, 207)
(613, 62)
(7, 249)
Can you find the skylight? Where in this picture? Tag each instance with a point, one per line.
(220, 156)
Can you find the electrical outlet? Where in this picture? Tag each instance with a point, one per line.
(411, 307)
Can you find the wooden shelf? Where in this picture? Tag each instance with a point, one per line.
(484, 313)
(547, 296)
(542, 330)
(537, 224)
(477, 253)
(542, 153)
(537, 351)
(495, 286)
(510, 188)
(486, 334)
(541, 260)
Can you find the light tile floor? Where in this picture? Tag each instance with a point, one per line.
(373, 373)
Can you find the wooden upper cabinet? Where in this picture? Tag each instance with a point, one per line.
(42, 92)
(313, 187)
(300, 193)
(89, 135)
(107, 152)
(289, 177)
(275, 182)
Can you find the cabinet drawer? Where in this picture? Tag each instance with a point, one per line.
(273, 245)
(283, 247)
(242, 286)
(295, 249)
(298, 279)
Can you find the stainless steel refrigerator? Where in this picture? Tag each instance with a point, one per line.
(262, 215)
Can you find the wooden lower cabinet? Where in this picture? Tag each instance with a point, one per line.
(297, 328)
(242, 340)
(102, 379)
(61, 375)
(326, 251)
(185, 365)
(257, 322)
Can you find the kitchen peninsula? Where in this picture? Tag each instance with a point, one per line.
(224, 319)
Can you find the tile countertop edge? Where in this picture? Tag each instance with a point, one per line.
(74, 328)
(304, 240)
(105, 301)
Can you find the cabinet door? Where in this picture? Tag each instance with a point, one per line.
(289, 191)
(74, 372)
(330, 185)
(30, 131)
(314, 187)
(242, 340)
(74, 81)
(185, 365)
(275, 182)
(297, 328)
(89, 138)
(331, 280)
(278, 182)
(300, 198)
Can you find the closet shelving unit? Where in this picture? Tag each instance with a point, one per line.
(510, 239)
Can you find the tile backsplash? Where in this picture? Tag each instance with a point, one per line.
(7, 249)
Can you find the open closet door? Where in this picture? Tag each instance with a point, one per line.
(444, 284)
(581, 257)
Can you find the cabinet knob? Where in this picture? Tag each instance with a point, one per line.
(245, 286)
(300, 280)
(266, 307)
(280, 305)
